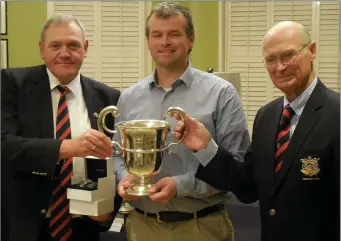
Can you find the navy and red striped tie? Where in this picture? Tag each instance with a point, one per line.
(60, 220)
(283, 137)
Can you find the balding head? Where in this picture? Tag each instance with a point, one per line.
(289, 54)
(289, 30)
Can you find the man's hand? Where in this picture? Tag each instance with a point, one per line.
(124, 184)
(163, 191)
(197, 136)
(90, 143)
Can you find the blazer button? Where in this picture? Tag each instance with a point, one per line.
(43, 211)
(272, 212)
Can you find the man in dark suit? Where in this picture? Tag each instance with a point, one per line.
(40, 145)
(293, 164)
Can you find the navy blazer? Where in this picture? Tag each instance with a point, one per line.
(302, 202)
(28, 148)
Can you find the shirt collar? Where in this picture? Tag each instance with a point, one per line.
(186, 77)
(74, 85)
(298, 103)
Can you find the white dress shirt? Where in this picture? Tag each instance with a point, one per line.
(79, 119)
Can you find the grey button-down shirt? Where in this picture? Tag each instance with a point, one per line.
(206, 97)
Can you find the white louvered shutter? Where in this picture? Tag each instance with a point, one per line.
(115, 34)
(248, 24)
(329, 44)
(120, 55)
(297, 11)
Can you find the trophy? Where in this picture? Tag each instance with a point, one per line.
(143, 143)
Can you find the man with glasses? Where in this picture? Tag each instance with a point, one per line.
(293, 164)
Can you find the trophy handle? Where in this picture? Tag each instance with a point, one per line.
(101, 118)
(182, 113)
(120, 151)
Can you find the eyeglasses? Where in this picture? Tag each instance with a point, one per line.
(285, 58)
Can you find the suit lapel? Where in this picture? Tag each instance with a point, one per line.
(307, 121)
(92, 101)
(40, 92)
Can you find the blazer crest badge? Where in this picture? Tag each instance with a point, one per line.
(310, 168)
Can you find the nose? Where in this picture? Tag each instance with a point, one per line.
(64, 52)
(280, 66)
(165, 40)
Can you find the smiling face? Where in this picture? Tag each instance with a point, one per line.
(289, 60)
(63, 50)
(167, 41)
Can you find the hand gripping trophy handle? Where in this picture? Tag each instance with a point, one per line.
(114, 111)
(182, 114)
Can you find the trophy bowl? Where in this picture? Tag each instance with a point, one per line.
(143, 143)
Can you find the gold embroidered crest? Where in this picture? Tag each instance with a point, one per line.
(310, 168)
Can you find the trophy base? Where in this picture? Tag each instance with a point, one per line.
(140, 186)
(125, 208)
(139, 190)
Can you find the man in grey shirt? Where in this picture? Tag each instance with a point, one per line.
(188, 207)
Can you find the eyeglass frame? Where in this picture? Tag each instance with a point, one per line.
(279, 58)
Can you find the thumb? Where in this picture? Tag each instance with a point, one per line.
(121, 190)
(191, 122)
(157, 186)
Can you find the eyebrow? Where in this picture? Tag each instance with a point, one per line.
(171, 31)
(282, 53)
(68, 42)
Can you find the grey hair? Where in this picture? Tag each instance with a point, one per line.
(165, 10)
(60, 19)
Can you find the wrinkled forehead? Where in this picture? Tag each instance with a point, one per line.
(281, 41)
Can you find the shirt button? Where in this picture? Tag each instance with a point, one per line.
(43, 211)
(272, 212)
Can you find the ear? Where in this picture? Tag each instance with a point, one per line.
(191, 39)
(147, 41)
(41, 48)
(86, 45)
(312, 50)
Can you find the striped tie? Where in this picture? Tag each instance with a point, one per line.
(60, 220)
(283, 136)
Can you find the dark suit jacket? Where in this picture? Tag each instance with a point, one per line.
(28, 146)
(293, 206)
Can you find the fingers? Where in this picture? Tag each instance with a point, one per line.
(176, 116)
(180, 125)
(122, 191)
(163, 191)
(191, 122)
(124, 185)
(98, 144)
(157, 187)
(161, 197)
(100, 139)
(159, 192)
